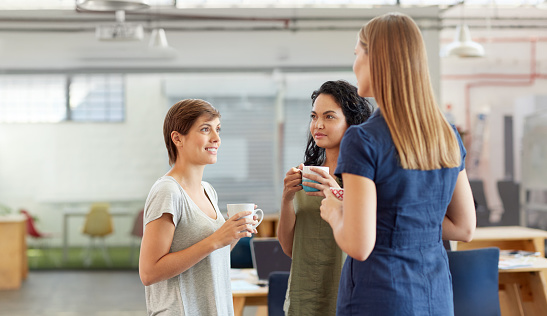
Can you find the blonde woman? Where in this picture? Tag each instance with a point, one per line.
(404, 180)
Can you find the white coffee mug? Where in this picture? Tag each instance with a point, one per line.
(233, 209)
(307, 170)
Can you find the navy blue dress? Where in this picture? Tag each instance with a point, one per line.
(407, 272)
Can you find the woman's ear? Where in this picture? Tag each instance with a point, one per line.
(176, 137)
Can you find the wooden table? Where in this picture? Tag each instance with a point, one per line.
(13, 251)
(523, 291)
(507, 238)
(251, 297)
(268, 227)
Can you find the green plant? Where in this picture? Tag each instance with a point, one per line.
(4, 210)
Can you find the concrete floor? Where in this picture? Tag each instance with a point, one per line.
(76, 293)
(79, 293)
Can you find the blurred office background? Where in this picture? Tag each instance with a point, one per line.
(83, 93)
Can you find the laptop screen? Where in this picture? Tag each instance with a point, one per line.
(268, 256)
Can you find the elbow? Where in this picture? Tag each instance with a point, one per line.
(286, 245)
(360, 255)
(146, 278)
(362, 250)
(286, 249)
(467, 235)
(146, 281)
(288, 252)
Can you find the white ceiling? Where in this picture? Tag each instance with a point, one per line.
(62, 15)
(70, 4)
(55, 31)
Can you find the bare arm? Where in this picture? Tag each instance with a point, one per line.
(353, 221)
(460, 220)
(156, 263)
(287, 217)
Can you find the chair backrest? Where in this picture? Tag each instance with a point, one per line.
(277, 289)
(31, 229)
(510, 197)
(98, 221)
(481, 205)
(138, 225)
(475, 281)
(240, 256)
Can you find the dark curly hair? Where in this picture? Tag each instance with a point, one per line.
(356, 109)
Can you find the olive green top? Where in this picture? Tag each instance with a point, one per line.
(316, 262)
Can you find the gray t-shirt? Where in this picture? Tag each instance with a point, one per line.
(205, 288)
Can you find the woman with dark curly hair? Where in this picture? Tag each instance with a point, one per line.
(304, 236)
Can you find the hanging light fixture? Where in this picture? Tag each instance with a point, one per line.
(158, 39)
(463, 45)
(112, 5)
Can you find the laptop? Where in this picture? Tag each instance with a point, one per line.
(268, 256)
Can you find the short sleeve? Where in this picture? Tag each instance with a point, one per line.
(357, 154)
(164, 197)
(463, 152)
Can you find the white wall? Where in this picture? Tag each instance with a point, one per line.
(508, 53)
(47, 167)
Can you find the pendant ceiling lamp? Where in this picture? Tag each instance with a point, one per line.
(158, 39)
(463, 45)
(112, 5)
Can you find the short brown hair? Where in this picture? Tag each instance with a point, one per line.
(180, 118)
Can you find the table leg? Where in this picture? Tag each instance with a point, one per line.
(12, 250)
(535, 303)
(65, 238)
(239, 305)
(510, 301)
(527, 291)
(261, 311)
(25, 257)
(539, 245)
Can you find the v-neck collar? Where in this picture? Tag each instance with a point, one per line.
(194, 203)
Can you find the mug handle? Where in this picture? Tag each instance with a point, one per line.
(261, 217)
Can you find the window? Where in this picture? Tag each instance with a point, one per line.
(59, 98)
(96, 98)
(32, 99)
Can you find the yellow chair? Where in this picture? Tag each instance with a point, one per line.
(136, 234)
(98, 224)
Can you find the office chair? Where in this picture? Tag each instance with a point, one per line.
(39, 237)
(136, 234)
(277, 288)
(510, 197)
(481, 206)
(98, 224)
(475, 281)
(240, 256)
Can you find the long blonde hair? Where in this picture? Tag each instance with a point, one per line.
(402, 88)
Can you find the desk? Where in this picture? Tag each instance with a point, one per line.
(507, 238)
(268, 227)
(13, 249)
(69, 212)
(523, 291)
(248, 297)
